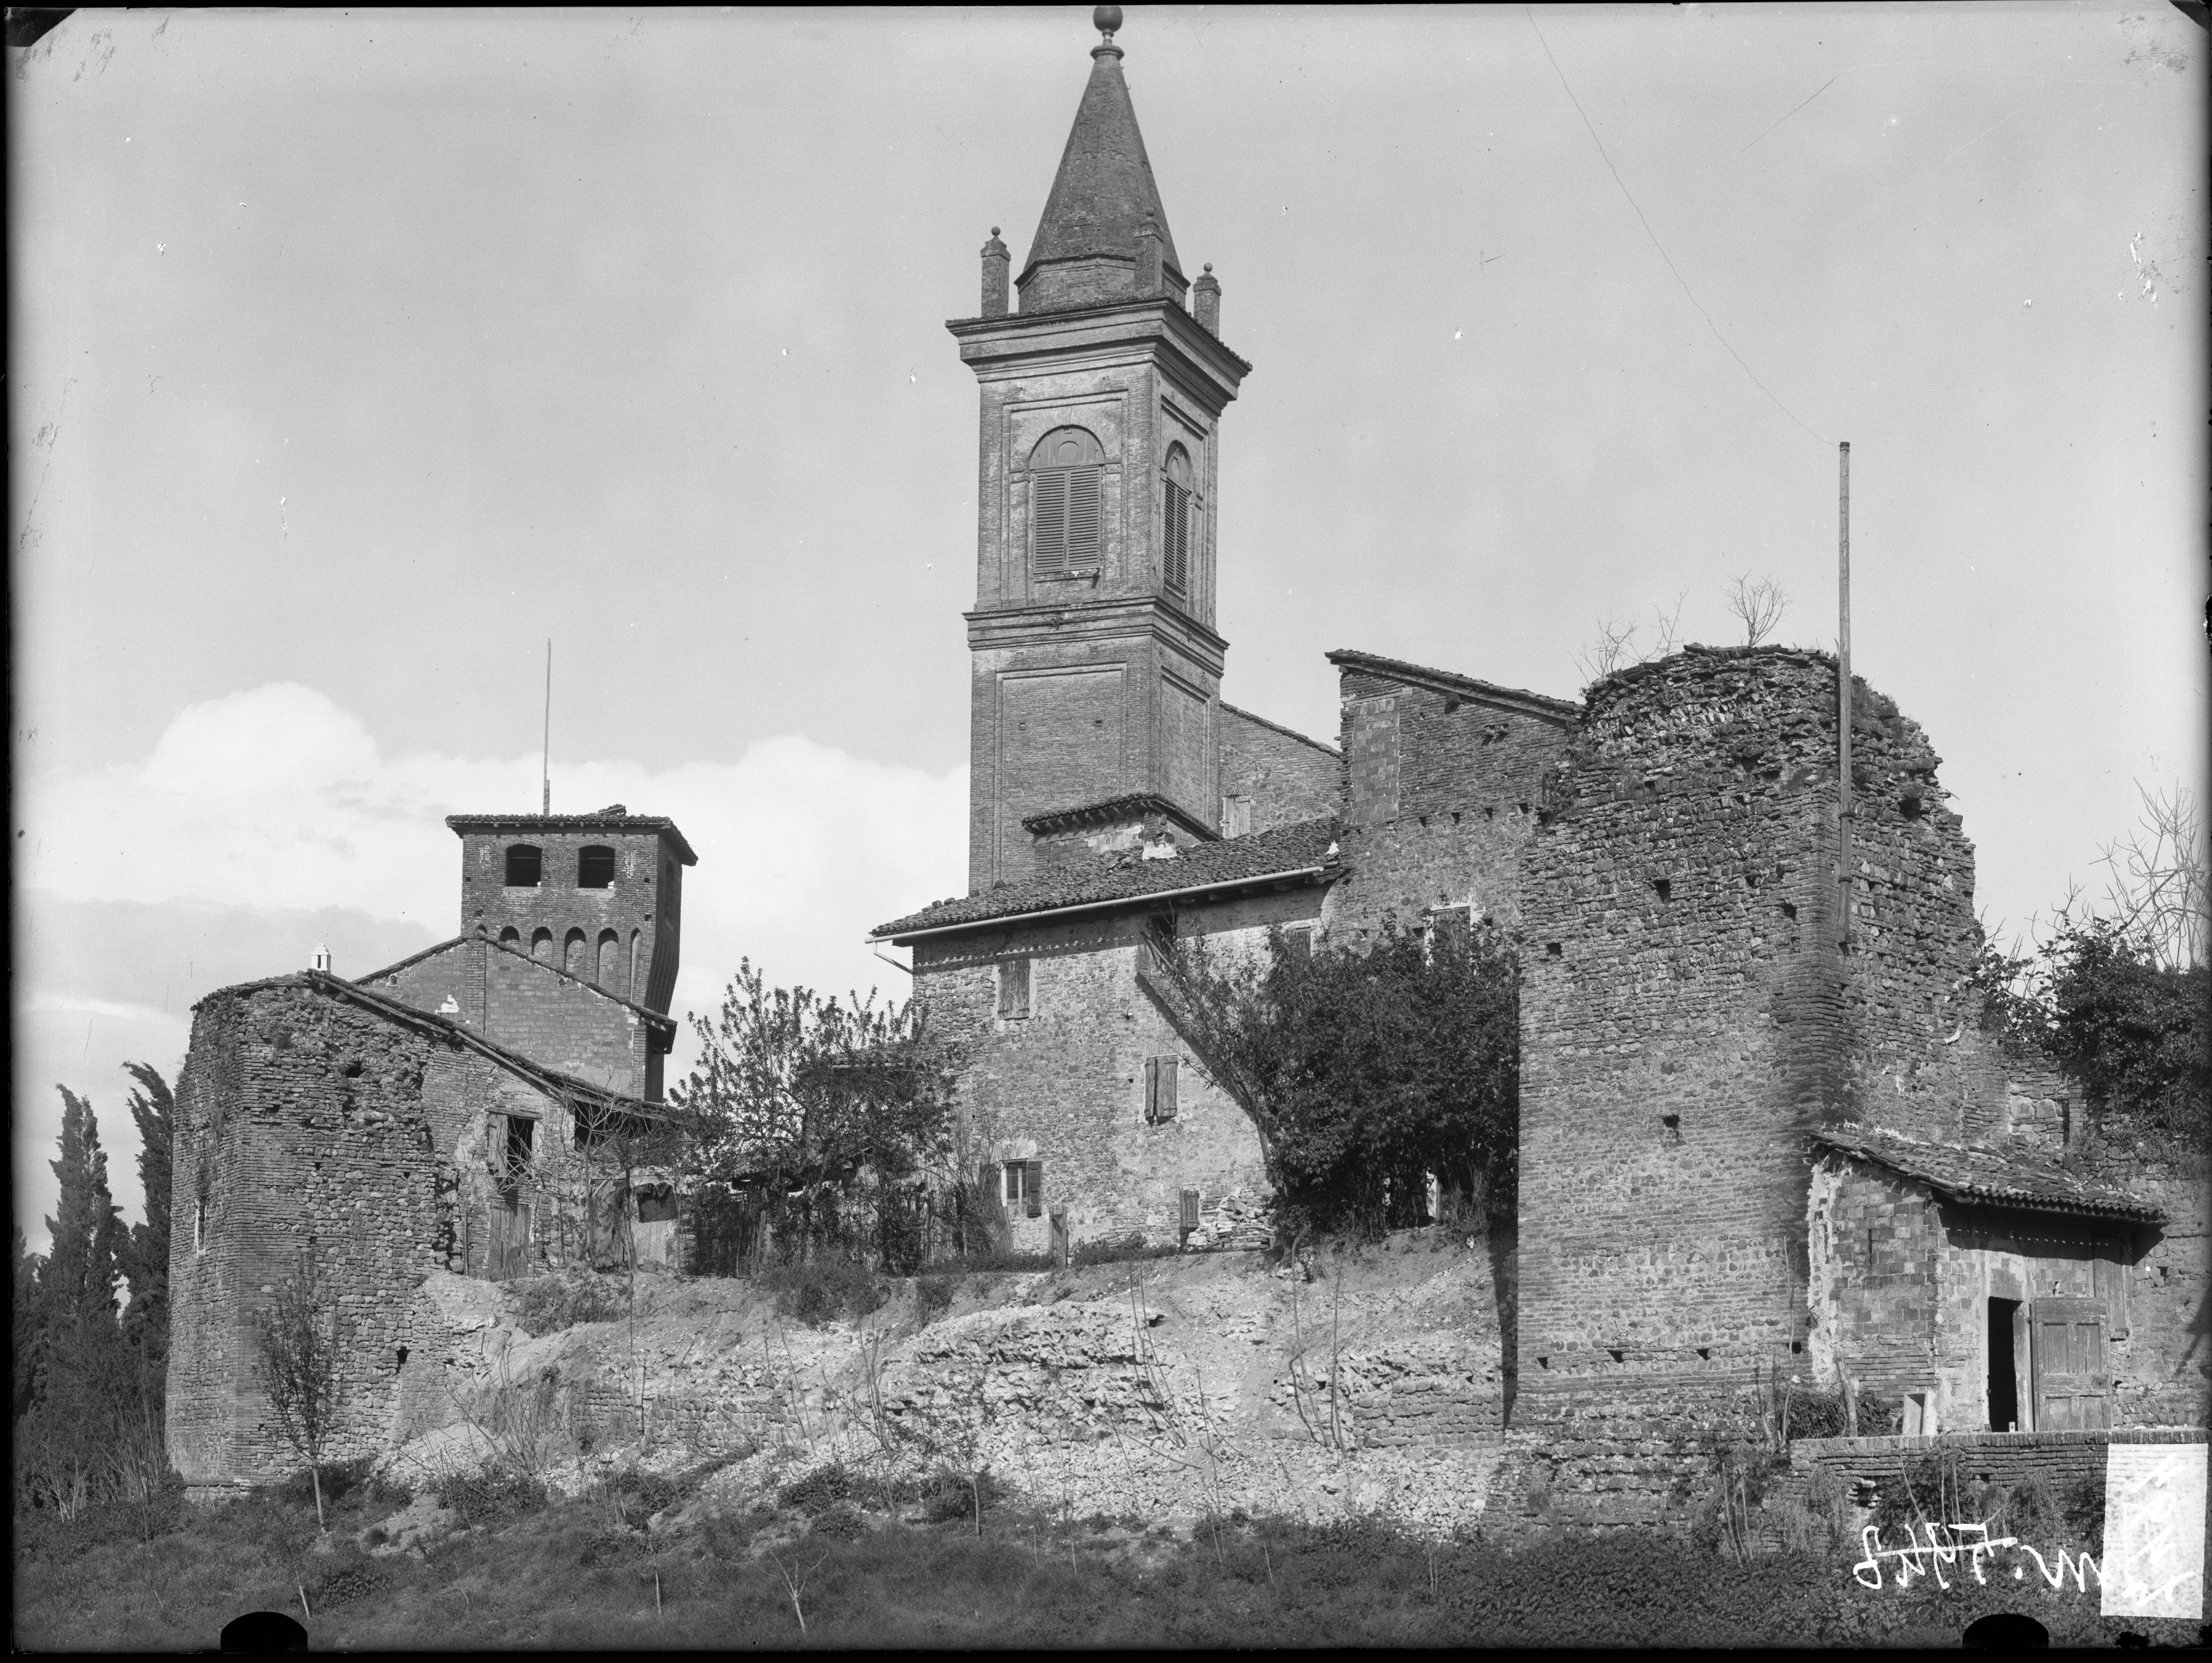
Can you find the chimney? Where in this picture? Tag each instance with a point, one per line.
(995, 265)
(1206, 302)
(322, 960)
(1148, 257)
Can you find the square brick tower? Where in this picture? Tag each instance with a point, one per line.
(600, 895)
(1097, 669)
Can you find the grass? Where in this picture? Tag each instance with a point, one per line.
(579, 1574)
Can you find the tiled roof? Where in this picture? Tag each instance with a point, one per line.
(1992, 1177)
(552, 1082)
(1451, 682)
(615, 818)
(657, 1018)
(1104, 188)
(1278, 727)
(1309, 848)
(1137, 805)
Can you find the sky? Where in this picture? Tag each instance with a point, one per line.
(354, 356)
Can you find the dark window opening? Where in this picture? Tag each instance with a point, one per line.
(1789, 910)
(399, 1358)
(595, 867)
(2004, 1379)
(1555, 949)
(510, 937)
(525, 865)
(1616, 1355)
(514, 1157)
(1665, 887)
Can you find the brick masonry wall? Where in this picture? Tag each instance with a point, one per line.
(1067, 1083)
(2163, 1370)
(1687, 1014)
(1865, 1466)
(646, 901)
(1282, 776)
(514, 1002)
(1448, 804)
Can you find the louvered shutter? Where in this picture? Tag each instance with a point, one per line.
(1085, 515)
(1167, 1086)
(1189, 1210)
(1048, 514)
(1152, 1089)
(1178, 538)
(1033, 1185)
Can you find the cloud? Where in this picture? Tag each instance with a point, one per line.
(266, 822)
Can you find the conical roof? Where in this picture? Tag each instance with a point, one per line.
(1105, 187)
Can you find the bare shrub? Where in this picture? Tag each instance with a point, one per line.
(1757, 603)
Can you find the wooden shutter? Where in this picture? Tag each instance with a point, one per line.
(1167, 1099)
(1048, 522)
(1189, 1210)
(1152, 1089)
(1014, 987)
(1085, 516)
(1177, 538)
(1033, 1186)
(2111, 1285)
(2073, 1382)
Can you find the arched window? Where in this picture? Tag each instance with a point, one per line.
(510, 937)
(572, 953)
(525, 865)
(609, 959)
(1067, 474)
(1174, 541)
(541, 945)
(595, 867)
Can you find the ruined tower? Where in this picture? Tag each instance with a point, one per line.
(1097, 669)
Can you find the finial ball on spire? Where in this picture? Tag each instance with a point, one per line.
(994, 231)
(1106, 19)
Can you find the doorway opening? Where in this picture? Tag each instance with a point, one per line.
(2004, 1379)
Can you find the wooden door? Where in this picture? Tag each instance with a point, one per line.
(510, 1235)
(2072, 1381)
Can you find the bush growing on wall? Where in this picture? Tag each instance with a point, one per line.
(1364, 1070)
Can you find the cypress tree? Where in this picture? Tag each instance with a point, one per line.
(77, 1283)
(145, 1260)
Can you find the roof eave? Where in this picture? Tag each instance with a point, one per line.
(1328, 872)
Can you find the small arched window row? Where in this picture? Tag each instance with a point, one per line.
(525, 865)
(1067, 502)
(1175, 527)
(572, 952)
(595, 867)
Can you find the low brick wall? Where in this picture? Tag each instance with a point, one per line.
(1999, 1457)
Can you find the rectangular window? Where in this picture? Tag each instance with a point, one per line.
(1298, 942)
(516, 1163)
(1189, 1211)
(1160, 1073)
(1021, 1186)
(1453, 925)
(1014, 988)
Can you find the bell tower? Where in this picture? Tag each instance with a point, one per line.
(1095, 684)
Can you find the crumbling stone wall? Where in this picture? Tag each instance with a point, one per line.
(310, 1124)
(1690, 1009)
(1065, 1084)
(301, 1128)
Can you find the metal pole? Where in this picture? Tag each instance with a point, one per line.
(545, 779)
(1844, 678)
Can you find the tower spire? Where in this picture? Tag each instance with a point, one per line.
(1086, 251)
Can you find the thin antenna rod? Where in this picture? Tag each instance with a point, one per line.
(1844, 677)
(545, 779)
